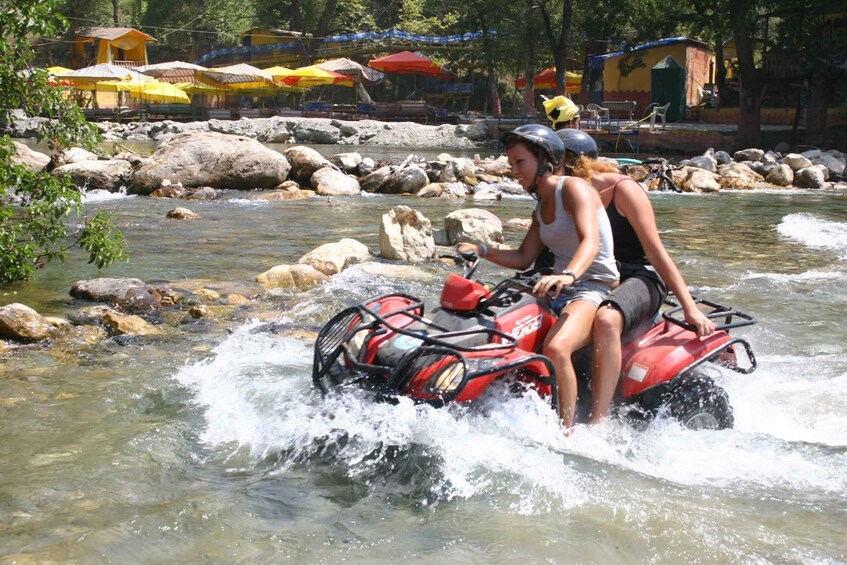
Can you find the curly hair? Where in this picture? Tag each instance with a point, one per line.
(586, 167)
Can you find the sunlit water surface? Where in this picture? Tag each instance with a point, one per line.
(209, 446)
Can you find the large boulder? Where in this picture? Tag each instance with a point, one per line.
(212, 159)
(33, 160)
(21, 323)
(702, 180)
(751, 154)
(781, 175)
(738, 176)
(474, 225)
(111, 175)
(796, 162)
(127, 294)
(332, 182)
(406, 235)
(405, 180)
(332, 258)
(810, 177)
(304, 162)
(301, 277)
(373, 181)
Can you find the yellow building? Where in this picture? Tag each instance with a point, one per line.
(122, 46)
(654, 79)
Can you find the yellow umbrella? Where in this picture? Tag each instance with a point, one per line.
(279, 73)
(58, 70)
(192, 88)
(316, 76)
(157, 91)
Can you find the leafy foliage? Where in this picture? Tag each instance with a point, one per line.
(38, 208)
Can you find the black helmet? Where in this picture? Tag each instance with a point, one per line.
(543, 138)
(578, 142)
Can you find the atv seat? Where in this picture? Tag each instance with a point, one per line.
(640, 329)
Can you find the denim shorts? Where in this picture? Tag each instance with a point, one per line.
(590, 291)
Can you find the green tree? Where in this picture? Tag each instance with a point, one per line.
(37, 209)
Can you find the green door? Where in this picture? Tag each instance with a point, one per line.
(668, 85)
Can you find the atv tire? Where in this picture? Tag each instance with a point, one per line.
(699, 404)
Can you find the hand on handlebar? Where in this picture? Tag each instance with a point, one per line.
(700, 322)
(552, 285)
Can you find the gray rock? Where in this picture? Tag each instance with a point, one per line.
(703, 162)
(347, 162)
(110, 175)
(405, 180)
(473, 225)
(304, 162)
(796, 162)
(702, 180)
(374, 181)
(751, 154)
(782, 147)
(127, 294)
(366, 167)
(332, 258)
(33, 160)
(810, 177)
(331, 182)
(781, 175)
(316, 131)
(722, 157)
(834, 165)
(406, 235)
(212, 159)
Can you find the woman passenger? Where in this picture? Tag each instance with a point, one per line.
(645, 266)
(570, 220)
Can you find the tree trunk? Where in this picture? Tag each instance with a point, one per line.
(559, 46)
(116, 15)
(752, 84)
(720, 70)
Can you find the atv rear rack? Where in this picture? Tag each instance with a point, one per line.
(717, 312)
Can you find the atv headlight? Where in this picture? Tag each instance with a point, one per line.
(447, 379)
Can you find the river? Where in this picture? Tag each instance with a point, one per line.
(214, 446)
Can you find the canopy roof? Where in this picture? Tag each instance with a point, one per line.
(113, 33)
(170, 65)
(104, 71)
(241, 75)
(350, 67)
(407, 62)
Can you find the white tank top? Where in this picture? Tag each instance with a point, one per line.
(561, 238)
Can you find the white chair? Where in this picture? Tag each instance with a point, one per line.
(659, 112)
(598, 115)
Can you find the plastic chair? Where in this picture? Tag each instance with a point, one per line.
(659, 112)
(598, 114)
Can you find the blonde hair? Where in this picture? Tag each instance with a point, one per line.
(586, 167)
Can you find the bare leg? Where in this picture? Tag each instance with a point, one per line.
(571, 332)
(608, 325)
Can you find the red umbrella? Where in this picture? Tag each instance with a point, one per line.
(406, 62)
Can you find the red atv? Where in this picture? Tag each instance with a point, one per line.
(480, 334)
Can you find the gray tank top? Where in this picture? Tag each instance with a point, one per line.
(561, 237)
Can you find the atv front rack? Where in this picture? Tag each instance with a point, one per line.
(336, 336)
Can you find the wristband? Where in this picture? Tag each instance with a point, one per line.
(484, 249)
(570, 274)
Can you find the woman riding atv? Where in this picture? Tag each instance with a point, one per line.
(569, 219)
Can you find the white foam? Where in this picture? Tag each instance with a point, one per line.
(815, 232)
(92, 196)
(257, 398)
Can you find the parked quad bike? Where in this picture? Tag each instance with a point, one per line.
(479, 335)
